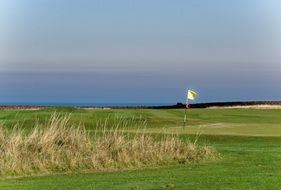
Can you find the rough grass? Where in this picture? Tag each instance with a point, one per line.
(263, 106)
(59, 146)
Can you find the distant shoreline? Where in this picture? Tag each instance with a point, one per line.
(236, 104)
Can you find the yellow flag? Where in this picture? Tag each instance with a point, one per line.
(191, 95)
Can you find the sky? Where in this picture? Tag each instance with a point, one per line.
(139, 51)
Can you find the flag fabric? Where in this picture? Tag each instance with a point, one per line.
(191, 95)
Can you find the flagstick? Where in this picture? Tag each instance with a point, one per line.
(185, 113)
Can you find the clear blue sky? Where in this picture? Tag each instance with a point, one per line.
(139, 51)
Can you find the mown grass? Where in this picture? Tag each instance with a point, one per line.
(250, 159)
(251, 122)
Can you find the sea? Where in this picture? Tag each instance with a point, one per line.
(87, 104)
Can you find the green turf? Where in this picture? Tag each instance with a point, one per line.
(247, 139)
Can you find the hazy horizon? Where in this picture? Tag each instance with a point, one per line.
(139, 51)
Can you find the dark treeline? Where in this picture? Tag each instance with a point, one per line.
(220, 104)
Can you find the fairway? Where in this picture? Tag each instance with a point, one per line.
(248, 141)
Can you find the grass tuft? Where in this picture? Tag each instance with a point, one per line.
(59, 146)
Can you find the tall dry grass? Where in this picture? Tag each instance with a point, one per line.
(61, 147)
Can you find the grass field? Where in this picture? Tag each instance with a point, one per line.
(248, 140)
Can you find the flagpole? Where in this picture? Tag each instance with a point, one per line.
(185, 112)
(191, 95)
